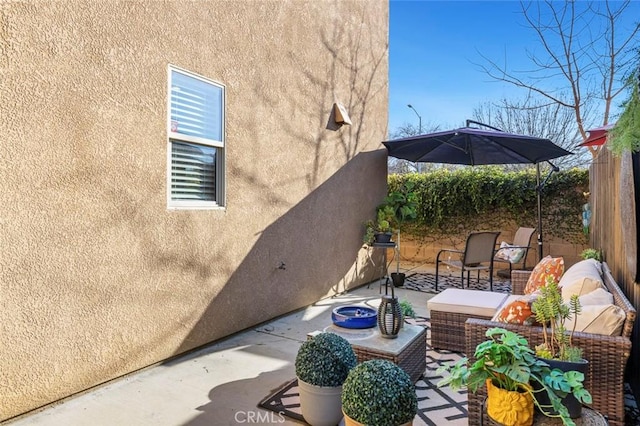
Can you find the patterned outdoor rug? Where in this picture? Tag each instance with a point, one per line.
(436, 406)
(426, 282)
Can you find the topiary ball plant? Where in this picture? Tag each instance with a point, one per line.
(378, 392)
(325, 360)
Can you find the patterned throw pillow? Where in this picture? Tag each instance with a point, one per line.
(517, 312)
(549, 266)
(510, 253)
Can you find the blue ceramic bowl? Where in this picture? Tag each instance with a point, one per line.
(354, 317)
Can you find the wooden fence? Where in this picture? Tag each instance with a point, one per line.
(614, 230)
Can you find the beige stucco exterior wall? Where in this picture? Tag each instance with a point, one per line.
(98, 277)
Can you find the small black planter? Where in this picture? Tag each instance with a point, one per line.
(398, 278)
(573, 405)
(382, 237)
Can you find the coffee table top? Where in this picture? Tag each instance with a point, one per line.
(370, 338)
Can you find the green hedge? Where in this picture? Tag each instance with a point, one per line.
(472, 198)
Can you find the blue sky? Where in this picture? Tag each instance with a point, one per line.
(433, 46)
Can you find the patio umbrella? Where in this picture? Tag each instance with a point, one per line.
(472, 146)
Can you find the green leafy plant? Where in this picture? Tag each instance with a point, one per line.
(402, 204)
(399, 205)
(382, 224)
(506, 359)
(625, 135)
(325, 360)
(407, 309)
(378, 392)
(591, 253)
(456, 202)
(551, 311)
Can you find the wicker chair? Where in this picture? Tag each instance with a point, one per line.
(607, 355)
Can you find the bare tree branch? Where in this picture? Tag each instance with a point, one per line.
(581, 42)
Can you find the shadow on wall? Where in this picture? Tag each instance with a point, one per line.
(319, 240)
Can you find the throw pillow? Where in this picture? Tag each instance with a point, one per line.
(590, 268)
(517, 312)
(547, 267)
(607, 320)
(510, 253)
(598, 296)
(580, 287)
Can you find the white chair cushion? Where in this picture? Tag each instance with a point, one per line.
(473, 302)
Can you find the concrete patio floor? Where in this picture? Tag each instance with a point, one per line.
(220, 384)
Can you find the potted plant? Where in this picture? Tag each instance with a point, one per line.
(404, 205)
(379, 230)
(378, 392)
(557, 348)
(591, 253)
(322, 365)
(510, 369)
(407, 309)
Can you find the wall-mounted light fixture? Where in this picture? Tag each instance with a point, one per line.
(340, 113)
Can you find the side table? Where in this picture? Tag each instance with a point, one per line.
(385, 265)
(408, 350)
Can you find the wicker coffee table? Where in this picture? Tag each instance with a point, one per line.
(408, 350)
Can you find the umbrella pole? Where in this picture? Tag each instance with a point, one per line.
(539, 187)
(539, 194)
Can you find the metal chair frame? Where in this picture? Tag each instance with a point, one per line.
(521, 240)
(477, 255)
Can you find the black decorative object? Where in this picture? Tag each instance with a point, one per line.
(573, 405)
(382, 237)
(398, 278)
(389, 314)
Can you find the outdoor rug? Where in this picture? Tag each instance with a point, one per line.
(426, 282)
(436, 406)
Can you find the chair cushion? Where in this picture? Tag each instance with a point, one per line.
(547, 267)
(474, 302)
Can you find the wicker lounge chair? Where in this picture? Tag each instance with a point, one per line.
(607, 355)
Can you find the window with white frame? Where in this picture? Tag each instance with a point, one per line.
(196, 141)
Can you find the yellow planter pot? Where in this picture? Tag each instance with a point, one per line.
(509, 408)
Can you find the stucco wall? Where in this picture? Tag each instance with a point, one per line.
(98, 278)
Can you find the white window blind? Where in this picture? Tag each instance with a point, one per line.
(196, 139)
(193, 172)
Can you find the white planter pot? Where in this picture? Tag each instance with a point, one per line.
(321, 406)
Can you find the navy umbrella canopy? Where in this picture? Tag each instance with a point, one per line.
(472, 146)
